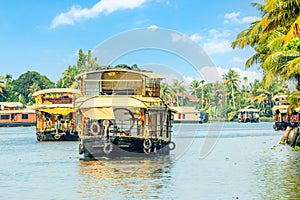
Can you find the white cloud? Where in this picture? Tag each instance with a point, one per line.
(153, 27)
(232, 15)
(217, 46)
(250, 19)
(188, 80)
(196, 37)
(76, 13)
(234, 18)
(216, 34)
(178, 37)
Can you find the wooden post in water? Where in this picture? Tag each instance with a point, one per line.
(286, 135)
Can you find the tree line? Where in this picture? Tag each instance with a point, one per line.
(222, 100)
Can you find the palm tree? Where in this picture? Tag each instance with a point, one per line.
(68, 77)
(194, 87)
(179, 90)
(2, 84)
(166, 93)
(279, 25)
(231, 80)
(202, 92)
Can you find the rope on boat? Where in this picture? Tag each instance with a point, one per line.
(171, 146)
(147, 144)
(57, 136)
(107, 148)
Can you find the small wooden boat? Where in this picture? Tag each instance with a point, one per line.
(56, 114)
(14, 114)
(122, 115)
(248, 114)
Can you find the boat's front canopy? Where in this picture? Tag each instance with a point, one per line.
(55, 109)
(102, 107)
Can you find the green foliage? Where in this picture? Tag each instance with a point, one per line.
(275, 39)
(294, 44)
(223, 100)
(27, 84)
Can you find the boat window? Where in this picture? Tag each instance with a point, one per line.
(24, 116)
(3, 117)
(92, 88)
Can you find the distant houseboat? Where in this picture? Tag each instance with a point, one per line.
(186, 114)
(14, 114)
(56, 114)
(248, 114)
(122, 115)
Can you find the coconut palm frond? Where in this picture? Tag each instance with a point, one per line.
(293, 67)
(293, 32)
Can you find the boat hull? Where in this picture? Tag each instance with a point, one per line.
(281, 126)
(17, 124)
(53, 136)
(119, 146)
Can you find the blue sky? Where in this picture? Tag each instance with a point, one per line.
(45, 36)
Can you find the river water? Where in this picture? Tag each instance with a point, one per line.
(211, 161)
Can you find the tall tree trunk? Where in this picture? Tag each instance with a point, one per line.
(298, 82)
(232, 94)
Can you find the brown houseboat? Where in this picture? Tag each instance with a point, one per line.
(14, 114)
(122, 114)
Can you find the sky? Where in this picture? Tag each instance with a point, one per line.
(45, 36)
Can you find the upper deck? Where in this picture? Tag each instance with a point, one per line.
(55, 96)
(119, 82)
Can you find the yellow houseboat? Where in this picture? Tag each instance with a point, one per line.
(56, 114)
(122, 114)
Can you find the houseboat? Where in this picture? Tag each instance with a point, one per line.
(14, 114)
(281, 117)
(185, 114)
(122, 115)
(56, 114)
(248, 114)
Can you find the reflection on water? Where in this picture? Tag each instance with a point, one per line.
(279, 174)
(131, 178)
